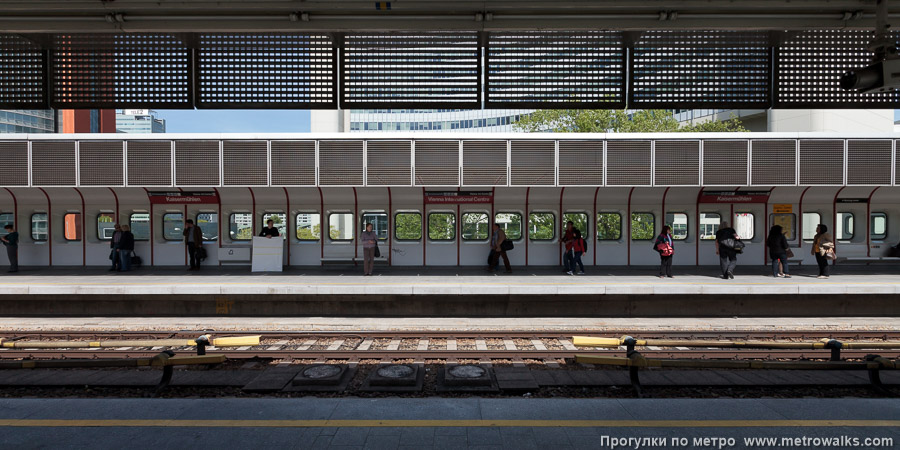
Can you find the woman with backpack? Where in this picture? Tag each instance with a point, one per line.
(580, 248)
(665, 246)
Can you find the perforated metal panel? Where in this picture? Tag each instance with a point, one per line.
(389, 163)
(100, 163)
(821, 162)
(542, 69)
(809, 65)
(197, 163)
(580, 163)
(628, 163)
(293, 163)
(341, 163)
(869, 162)
(22, 74)
(532, 163)
(14, 170)
(149, 163)
(694, 69)
(437, 163)
(725, 163)
(383, 70)
(676, 163)
(53, 163)
(774, 162)
(484, 163)
(267, 71)
(245, 163)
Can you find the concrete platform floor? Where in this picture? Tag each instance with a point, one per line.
(444, 423)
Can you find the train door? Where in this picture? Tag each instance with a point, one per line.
(748, 221)
(851, 222)
(441, 234)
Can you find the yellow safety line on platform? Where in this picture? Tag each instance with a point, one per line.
(445, 423)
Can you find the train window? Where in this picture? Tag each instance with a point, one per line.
(340, 226)
(511, 223)
(408, 226)
(810, 221)
(743, 225)
(308, 226)
(475, 227)
(879, 225)
(240, 226)
(39, 226)
(173, 226)
(609, 226)
(209, 225)
(787, 223)
(679, 224)
(72, 226)
(441, 226)
(379, 223)
(140, 226)
(844, 226)
(580, 221)
(106, 226)
(280, 222)
(6, 219)
(542, 226)
(643, 226)
(709, 224)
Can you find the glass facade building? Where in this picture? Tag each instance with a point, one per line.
(139, 121)
(488, 120)
(27, 121)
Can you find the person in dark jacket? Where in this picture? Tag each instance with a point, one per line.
(193, 238)
(822, 244)
(778, 247)
(126, 246)
(114, 249)
(727, 255)
(269, 230)
(11, 241)
(665, 246)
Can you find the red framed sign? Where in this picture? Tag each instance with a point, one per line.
(457, 197)
(183, 198)
(734, 197)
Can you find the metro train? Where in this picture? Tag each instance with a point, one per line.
(76, 187)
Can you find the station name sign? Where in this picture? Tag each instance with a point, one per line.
(457, 197)
(853, 200)
(734, 197)
(183, 198)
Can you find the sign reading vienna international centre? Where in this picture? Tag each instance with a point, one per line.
(457, 197)
(734, 197)
(183, 198)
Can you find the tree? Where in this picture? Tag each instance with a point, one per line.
(616, 121)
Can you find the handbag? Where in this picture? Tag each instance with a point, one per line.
(201, 253)
(789, 253)
(665, 249)
(377, 252)
(830, 255)
(507, 245)
(135, 260)
(734, 244)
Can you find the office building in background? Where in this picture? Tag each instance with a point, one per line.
(27, 121)
(139, 121)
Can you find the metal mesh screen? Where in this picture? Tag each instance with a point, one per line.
(341, 163)
(293, 163)
(484, 163)
(437, 163)
(628, 163)
(808, 68)
(21, 73)
(100, 163)
(267, 70)
(197, 163)
(692, 69)
(725, 163)
(14, 170)
(869, 162)
(149, 163)
(245, 163)
(118, 70)
(543, 69)
(580, 163)
(389, 163)
(532, 163)
(53, 163)
(818, 162)
(676, 163)
(774, 162)
(393, 70)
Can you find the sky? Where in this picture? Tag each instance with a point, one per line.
(235, 120)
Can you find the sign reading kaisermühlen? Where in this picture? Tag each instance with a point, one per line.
(455, 197)
(734, 197)
(183, 198)
(853, 200)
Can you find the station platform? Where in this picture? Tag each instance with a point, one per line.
(852, 291)
(449, 423)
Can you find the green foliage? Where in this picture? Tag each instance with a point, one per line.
(475, 226)
(580, 221)
(609, 226)
(615, 121)
(441, 226)
(642, 226)
(309, 233)
(542, 226)
(409, 226)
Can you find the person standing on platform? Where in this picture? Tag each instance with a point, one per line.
(125, 248)
(114, 249)
(269, 230)
(11, 241)
(823, 243)
(778, 248)
(193, 238)
(665, 246)
(727, 255)
(370, 241)
(579, 247)
(498, 237)
(569, 239)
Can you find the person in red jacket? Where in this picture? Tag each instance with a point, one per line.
(579, 247)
